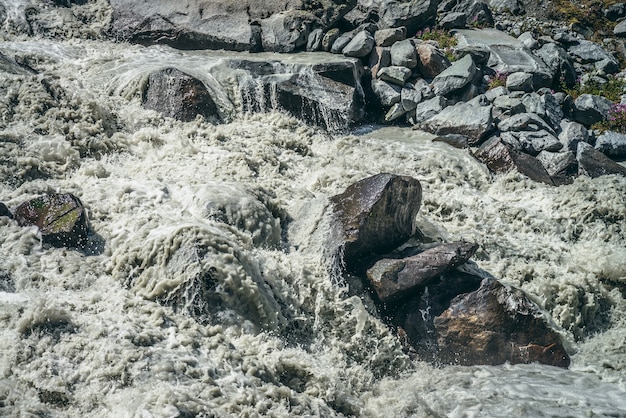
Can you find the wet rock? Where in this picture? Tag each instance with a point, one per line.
(502, 158)
(477, 11)
(178, 95)
(387, 37)
(395, 75)
(431, 60)
(494, 325)
(360, 46)
(428, 109)
(403, 54)
(463, 118)
(61, 219)
(561, 166)
(388, 94)
(375, 215)
(380, 57)
(612, 144)
(589, 109)
(455, 140)
(519, 81)
(593, 163)
(571, 134)
(9, 65)
(4, 211)
(455, 77)
(393, 279)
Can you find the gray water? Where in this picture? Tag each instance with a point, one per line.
(206, 291)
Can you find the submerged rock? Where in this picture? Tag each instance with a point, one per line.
(61, 219)
(4, 211)
(375, 215)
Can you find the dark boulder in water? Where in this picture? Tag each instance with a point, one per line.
(178, 95)
(375, 215)
(395, 278)
(61, 218)
(4, 211)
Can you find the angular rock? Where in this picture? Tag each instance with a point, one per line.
(529, 41)
(394, 74)
(396, 111)
(497, 92)
(387, 94)
(412, 14)
(508, 106)
(375, 215)
(329, 38)
(477, 11)
(571, 134)
(607, 66)
(615, 11)
(620, 29)
(561, 166)
(502, 158)
(612, 144)
(403, 54)
(340, 42)
(453, 20)
(4, 211)
(387, 37)
(559, 61)
(360, 46)
(455, 140)
(519, 81)
(588, 52)
(431, 60)
(61, 219)
(525, 122)
(455, 77)
(409, 98)
(593, 163)
(380, 57)
(393, 279)
(428, 109)
(178, 95)
(533, 142)
(314, 43)
(286, 31)
(494, 325)
(589, 109)
(463, 118)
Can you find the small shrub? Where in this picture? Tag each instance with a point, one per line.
(499, 79)
(612, 89)
(616, 120)
(444, 38)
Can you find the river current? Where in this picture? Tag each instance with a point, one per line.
(205, 289)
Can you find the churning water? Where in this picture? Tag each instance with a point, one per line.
(205, 290)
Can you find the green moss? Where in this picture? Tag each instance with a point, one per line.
(584, 12)
(612, 89)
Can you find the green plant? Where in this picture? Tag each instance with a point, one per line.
(612, 89)
(444, 38)
(616, 120)
(498, 79)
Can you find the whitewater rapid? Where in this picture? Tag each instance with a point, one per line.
(205, 290)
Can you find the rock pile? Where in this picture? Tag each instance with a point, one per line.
(446, 309)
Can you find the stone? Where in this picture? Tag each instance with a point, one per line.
(561, 166)
(462, 118)
(593, 163)
(61, 219)
(394, 74)
(409, 98)
(387, 37)
(497, 92)
(453, 20)
(455, 77)
(571, 134)
(507, 106)
(519, 81)
(620, 29)
(477, 11)
(494, 325)
(340, 42)
(455, 140)
(360, 46)
(588, 52)
(431, 60)
(4, 211)
(529, 41)
(329, 38)
(204, 24)
(480, 53)
(397, 278)
(612, 144)
(388, 94)
(428, 109)
(314, 43)
(412, 14)
(178, 95)
(502, 158)
(403, 54)
(590, 109)
(615, 11)
(375, 215)
(396, 111)
(524, 122)
(9, 65)
(380, 57)
(545, 106)
(607, 66)
(533, 142)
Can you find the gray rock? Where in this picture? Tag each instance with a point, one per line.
(561, 166)
(387, 37)
(455, 140)
(514, 7)
(329, 39)
(375, 215)
(589, 109)
(593, 163)
(588, 52)
(410, 97)
(380, 57)
(507, 106)
(502, 158)
(393, 279)
(620, 29)
(607, 66)
(286, 31)
(396, 111)
(477, 11)
(341, 42)
(314, 42)
(519, 81)
(394, 74)
(493, 94)
(453, 20)
(4, 211)
(612, 144)
(429, 108)
(388, 94)
(360, 46)
(533, 142)
(412, 14)
(571, 134)
(403, 54)
(431, 60)
(455, 77)
(528, 40)
(463, 118)
(424, 87)
(615, 11)
(525, 122)
(559, 61)
(480, 53)
(545, 106)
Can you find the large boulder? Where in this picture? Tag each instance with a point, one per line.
(593, 163)
(432, 61)
(4, 211)
(612, 144)
(246, 25)
(455, 77)
(178, 95)
(464, 118)
(375, 215)
(561, 166)
(589, 109)
(412, 14)
(61, 219)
